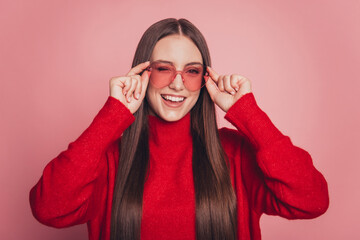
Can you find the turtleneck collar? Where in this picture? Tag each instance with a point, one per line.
(169, 133)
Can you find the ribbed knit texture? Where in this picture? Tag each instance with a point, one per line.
(269, 175)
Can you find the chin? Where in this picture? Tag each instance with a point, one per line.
(171, 117)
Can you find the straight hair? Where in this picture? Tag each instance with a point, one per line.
(216, 210)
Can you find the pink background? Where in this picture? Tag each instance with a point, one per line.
(303, 58)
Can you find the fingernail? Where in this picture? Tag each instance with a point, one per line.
(129, 99)
(236, 89)
(125, 93)
(137, 95)
(232, 93)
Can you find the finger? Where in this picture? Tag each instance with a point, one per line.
(138, 88)
(144, 82)
(127, 84)
(235, 82)
(212, 88)
(138, 68)
(117, 81)
(134, 82)
(221, 83)
(227, 85)
(213, 74)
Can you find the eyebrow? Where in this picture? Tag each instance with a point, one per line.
(169, 62)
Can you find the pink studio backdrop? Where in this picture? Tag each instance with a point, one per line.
(56, 58)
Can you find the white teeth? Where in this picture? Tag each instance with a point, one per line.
(173, 99)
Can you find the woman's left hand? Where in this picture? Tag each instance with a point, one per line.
(225, 90)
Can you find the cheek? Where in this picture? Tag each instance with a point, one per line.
(151, 97)
(194, 98)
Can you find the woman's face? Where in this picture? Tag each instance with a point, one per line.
(173, 102)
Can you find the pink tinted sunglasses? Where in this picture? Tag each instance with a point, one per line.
(162, 74)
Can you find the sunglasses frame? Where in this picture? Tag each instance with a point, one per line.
(205, 74)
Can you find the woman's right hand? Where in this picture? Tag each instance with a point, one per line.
(130, 89)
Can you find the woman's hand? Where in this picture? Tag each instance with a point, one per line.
(225, 90)
(131, 89)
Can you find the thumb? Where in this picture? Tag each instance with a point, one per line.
(144, 82)
(212, 88)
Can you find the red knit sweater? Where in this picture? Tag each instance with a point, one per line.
(269, 174)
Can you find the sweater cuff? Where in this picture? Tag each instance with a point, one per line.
(110, 122)
(250, 120)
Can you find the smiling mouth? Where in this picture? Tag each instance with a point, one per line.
(173, 98)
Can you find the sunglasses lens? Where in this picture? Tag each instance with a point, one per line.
(193, 77)
(160, 75)
(163, 74)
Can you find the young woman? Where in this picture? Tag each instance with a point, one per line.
(153, 165)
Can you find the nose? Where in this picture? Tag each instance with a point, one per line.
(177, 84)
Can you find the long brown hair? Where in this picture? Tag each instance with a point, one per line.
(215, 198)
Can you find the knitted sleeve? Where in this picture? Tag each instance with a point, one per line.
(69, 188)
(279, 177)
